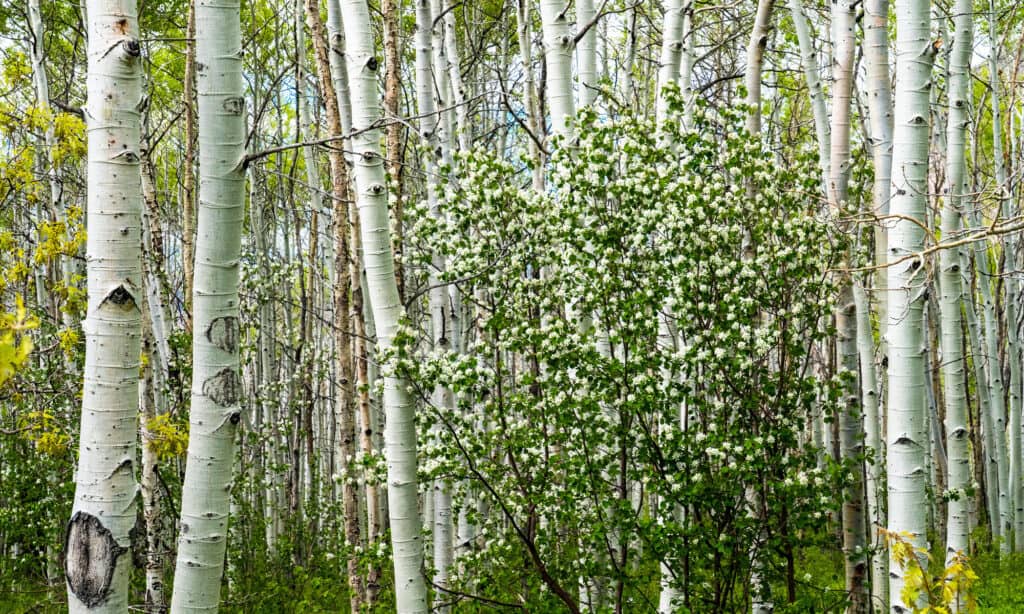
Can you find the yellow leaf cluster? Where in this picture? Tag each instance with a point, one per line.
(70, 133)
(68, 338)
(165, 438)
(15, 346)
(951, 591)
(43, 430)
(16, 68)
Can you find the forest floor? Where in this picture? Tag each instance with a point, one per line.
(819, 587)
(820, 582)
(999, 590)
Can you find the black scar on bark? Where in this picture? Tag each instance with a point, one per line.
(121, 297)
(223, 333)
(90, 557)
(234, 105)
(223, 388)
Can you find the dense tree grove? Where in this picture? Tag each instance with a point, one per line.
(496, 305)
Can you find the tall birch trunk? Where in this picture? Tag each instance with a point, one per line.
(97, 544)
(851, 433)
(671, 53)
(879, 103)
(388, 311)
(216, 384)
(345, 410)
(586, 51)
(808, 57)
(951, 285)
(907, 430)
(1010, 495)
(558, 58)
(438, 298)
(755, 58)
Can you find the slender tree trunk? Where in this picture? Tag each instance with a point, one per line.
(393, 131)
(429, 124)
(216, 385)
(981, 380)
(346, 406)
(188, 185)
(1010, 494)
(808, 57)
(534, 121)
(851, 434)
(755, 58)
(586, 51)
(558, 58)
(907, 429)
(388, 311)
(950, 284)
(97, 544)
(880, 114)
(879, 103)
(671, 52)
(148, 486)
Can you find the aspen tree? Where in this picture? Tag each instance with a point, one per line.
(906, 436)
(387, 308)
(951, 298)
(558, 45)
(97, 544)
(216, 385)
(851, 433)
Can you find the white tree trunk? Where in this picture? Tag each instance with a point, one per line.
(1010, 495)
(216, 384)
(388, 311)
(997, 396)
(339, 76)
(872, 443)
(755, 57)
(809, 59)
(879, 103)
(671, 53)
(97, 544)
(586, 51)
(851, 440)
(907, 433)
(950, 285)
(558, 57)
(463, 131)
(430, 122)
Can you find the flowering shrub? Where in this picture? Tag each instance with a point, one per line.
(633, 386)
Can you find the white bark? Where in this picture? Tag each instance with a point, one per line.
(809, 59)
(671, 53)
(951, 285)
(872, 442)
(216, 384)
(463, 130)
(907, 430)
(879, 103)
(429, 123)
(586, 51)
(988, 446)
(755, 57)
(558, 57)
(339, 76)
(850, 421)
(1010, 491)
(97, 544)
(997, 397)
(371, 199)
